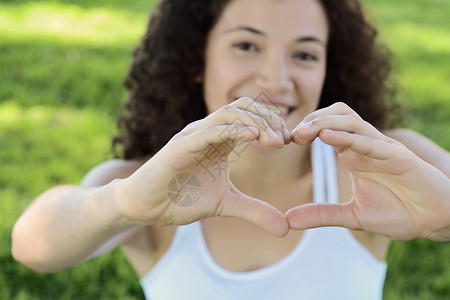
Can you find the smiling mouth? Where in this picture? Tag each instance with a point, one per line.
(280, 110)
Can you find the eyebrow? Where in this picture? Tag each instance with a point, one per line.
(258, 32)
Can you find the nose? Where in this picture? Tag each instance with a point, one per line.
(274, 74)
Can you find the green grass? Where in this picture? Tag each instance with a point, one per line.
(62, 65)
(418, 31)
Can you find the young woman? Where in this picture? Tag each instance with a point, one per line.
(228, 100)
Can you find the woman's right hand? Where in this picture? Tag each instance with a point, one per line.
(188, 179)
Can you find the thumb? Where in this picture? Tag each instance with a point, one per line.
(322, 214)
(239, 205)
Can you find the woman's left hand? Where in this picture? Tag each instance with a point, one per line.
(395, 193)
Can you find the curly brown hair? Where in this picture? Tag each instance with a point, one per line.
(165, 97)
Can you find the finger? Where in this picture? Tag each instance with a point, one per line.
(364, 145)
(338, 108)
(219, 134)
(260, 213)
(192, 127)
(270, 134)
(264, 110)
(229, 114)
(322, 214)
(307, 132)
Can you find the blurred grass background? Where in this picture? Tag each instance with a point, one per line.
(62, 65)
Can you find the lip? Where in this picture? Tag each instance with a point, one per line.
(282, 108)
(275, 102)
(278, 108)
(268, 102)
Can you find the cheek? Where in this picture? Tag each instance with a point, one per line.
(213, 86)
(309, 89)
(315, 91)
(221, 78)
(316, 82)
(311, 86)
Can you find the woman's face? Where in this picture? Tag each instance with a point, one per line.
(275, 48)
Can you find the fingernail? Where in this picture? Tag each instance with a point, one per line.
(272, 133)
(286, 135)
(285, 131)
(293, 137)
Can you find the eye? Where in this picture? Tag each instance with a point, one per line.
(245, 46)
(305, 56)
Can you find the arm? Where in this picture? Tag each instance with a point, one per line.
(396, 192)
(69, 224)
(423, 148)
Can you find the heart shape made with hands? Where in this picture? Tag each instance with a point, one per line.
(381, 170)
(390, 184)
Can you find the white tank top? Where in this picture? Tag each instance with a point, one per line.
(328, 263)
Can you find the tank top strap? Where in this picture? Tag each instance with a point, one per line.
(325, 187)
(317, 162)
(331, 173)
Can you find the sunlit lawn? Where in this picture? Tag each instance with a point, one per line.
(62, 65)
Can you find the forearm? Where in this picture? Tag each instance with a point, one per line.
(66, 225)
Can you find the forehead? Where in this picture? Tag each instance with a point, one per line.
(279, 17)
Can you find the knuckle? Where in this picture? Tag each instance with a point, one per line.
(257, 119)
(341, 105)
(227, 107)
(367, 124)
(226, 110)
(191, 125)
(356, 119)
(315, 122)
(307, 118)
(243, 101)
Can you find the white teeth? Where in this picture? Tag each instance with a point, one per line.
(279, 110)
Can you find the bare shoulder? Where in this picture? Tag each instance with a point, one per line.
(423, 147)
(112, 169)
